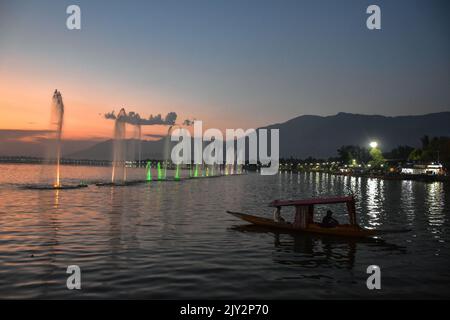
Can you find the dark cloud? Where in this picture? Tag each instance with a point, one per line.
(188, 122)
(135, 119)
(110, 115)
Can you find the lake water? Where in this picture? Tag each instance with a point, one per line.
(174, 240)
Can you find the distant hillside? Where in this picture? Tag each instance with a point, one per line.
(319, 136)
(103, 150)
(158, 149)
(41, 147)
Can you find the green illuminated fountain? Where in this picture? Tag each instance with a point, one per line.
(149, 171)
(159, 171)
(196, 171)
(177, 172)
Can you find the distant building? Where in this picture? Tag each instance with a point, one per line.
(424, 169)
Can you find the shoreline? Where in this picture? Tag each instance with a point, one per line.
(392, 177)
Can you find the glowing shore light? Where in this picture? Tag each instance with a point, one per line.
(373, 144)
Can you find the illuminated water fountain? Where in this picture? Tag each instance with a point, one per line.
(56, 124)
(136, 145)
(196, 171)
(149, 171)
(57, 121)
(119, 163)
(177, 172)
(160, 174)
(119, 171)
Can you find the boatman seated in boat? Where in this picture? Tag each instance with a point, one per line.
(277, 215)
(328, 221)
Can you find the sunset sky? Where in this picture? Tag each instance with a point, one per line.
(236, 63)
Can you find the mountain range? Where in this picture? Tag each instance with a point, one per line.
(300, 137)
(319, 136)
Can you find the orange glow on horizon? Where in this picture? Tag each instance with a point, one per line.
(25, 100)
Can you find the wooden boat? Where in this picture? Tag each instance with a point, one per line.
(304, 214)
(341, 230)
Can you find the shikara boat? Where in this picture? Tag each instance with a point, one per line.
(304, 218)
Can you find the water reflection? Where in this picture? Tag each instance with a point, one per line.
(355, 185)
(313, 251)
(174, 239)
(435, 202)
(56, 202)
(48, 228)
(407, 200)
(374, 200)
(307, 251)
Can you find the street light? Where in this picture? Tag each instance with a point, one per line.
(373, 144)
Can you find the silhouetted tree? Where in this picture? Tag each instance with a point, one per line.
(435, 149)
(415, 155)
(425, 141)
(400, 153)
(348, 153)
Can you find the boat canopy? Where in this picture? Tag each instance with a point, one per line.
(314, 201)
(305, 207)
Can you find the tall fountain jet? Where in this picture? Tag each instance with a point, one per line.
(57, 118)
(54, 147)
(135, 150)
(119, 170)
(138, 136)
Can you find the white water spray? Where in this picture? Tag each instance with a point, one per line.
(57, 117)
(119, 169)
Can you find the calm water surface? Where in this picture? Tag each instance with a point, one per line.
(174, 239)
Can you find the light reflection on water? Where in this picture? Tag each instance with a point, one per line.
(174, 239)
(435, 201)
(374, 199)
(407, 200)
